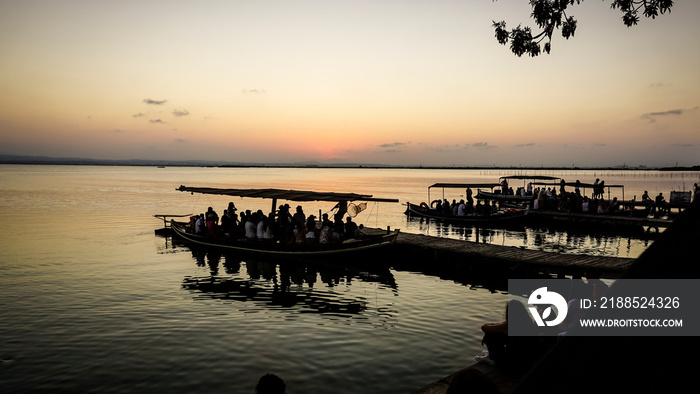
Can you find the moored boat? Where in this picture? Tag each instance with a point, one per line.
(505, 216)
(521, 195)
(472, 214)
(365, 240)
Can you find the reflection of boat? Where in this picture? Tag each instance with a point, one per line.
(367, 241)
(502, 216)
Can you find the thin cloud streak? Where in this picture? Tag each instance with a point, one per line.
(154, 102)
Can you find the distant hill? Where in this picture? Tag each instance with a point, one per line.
(17, 159)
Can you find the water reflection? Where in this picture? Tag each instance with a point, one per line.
(596, 242)
(292, 287)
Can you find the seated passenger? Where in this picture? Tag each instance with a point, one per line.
(199, 225)
(299, 233)
(261, 227)
(324, 236)
(614, 205)
(461, 208)
(338, 231)
(311, 230)
(251, 227)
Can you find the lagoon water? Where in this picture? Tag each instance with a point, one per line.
(93, 301)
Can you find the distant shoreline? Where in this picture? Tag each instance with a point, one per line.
(32, 160)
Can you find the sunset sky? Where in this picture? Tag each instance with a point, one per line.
(408, 82)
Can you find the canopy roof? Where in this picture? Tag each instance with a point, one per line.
(291, 195)
(465, 185)
(574, 184)
(533, 177)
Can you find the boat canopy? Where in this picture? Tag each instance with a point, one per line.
(574, 184)
(444, 186)
(533, 177)
(583, 186)
(465, 185)
(290, 195)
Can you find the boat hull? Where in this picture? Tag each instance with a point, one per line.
(504, 218)
(271, 248)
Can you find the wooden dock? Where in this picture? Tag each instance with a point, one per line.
(608, 220)
(503, 261)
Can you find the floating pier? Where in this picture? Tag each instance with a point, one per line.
(496, 260)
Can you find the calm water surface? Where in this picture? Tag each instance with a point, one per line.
(92, 300)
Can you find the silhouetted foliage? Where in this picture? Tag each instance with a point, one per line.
(551, 15)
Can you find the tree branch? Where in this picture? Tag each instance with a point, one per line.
(550, 15)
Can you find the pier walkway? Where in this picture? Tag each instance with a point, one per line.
(483, 258)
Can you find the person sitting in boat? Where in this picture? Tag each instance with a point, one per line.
(299, 232)
(262, 225)
(585, 205)
(251, 226)
(326, 222)
(614, 205)
(486, 209)
(311, 230)
(601, 206)
(200, 225)
(338, 231)
(645, 197)
(438, 206)
(446, 209)
(350, 228)
(461, 208)
(324, 236)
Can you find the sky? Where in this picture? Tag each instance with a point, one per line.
(398, 82)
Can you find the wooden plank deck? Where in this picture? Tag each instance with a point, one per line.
(601, 219)
(453, 252)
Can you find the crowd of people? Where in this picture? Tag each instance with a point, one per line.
(281, 226)
(574, 201)
(463, 208)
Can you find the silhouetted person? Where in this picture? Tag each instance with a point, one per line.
(270, 384)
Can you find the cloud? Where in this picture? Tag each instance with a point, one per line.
(154, 102)
(525, 145)
(181, 112)
(253, 91)
(156, 121)
(392, 145)
(180, 140)
(483, 145)
(659, 85)
(138, 115)
(651, 116)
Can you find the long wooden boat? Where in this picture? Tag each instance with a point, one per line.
(364, 242)
(501, 217)
(503, 196)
